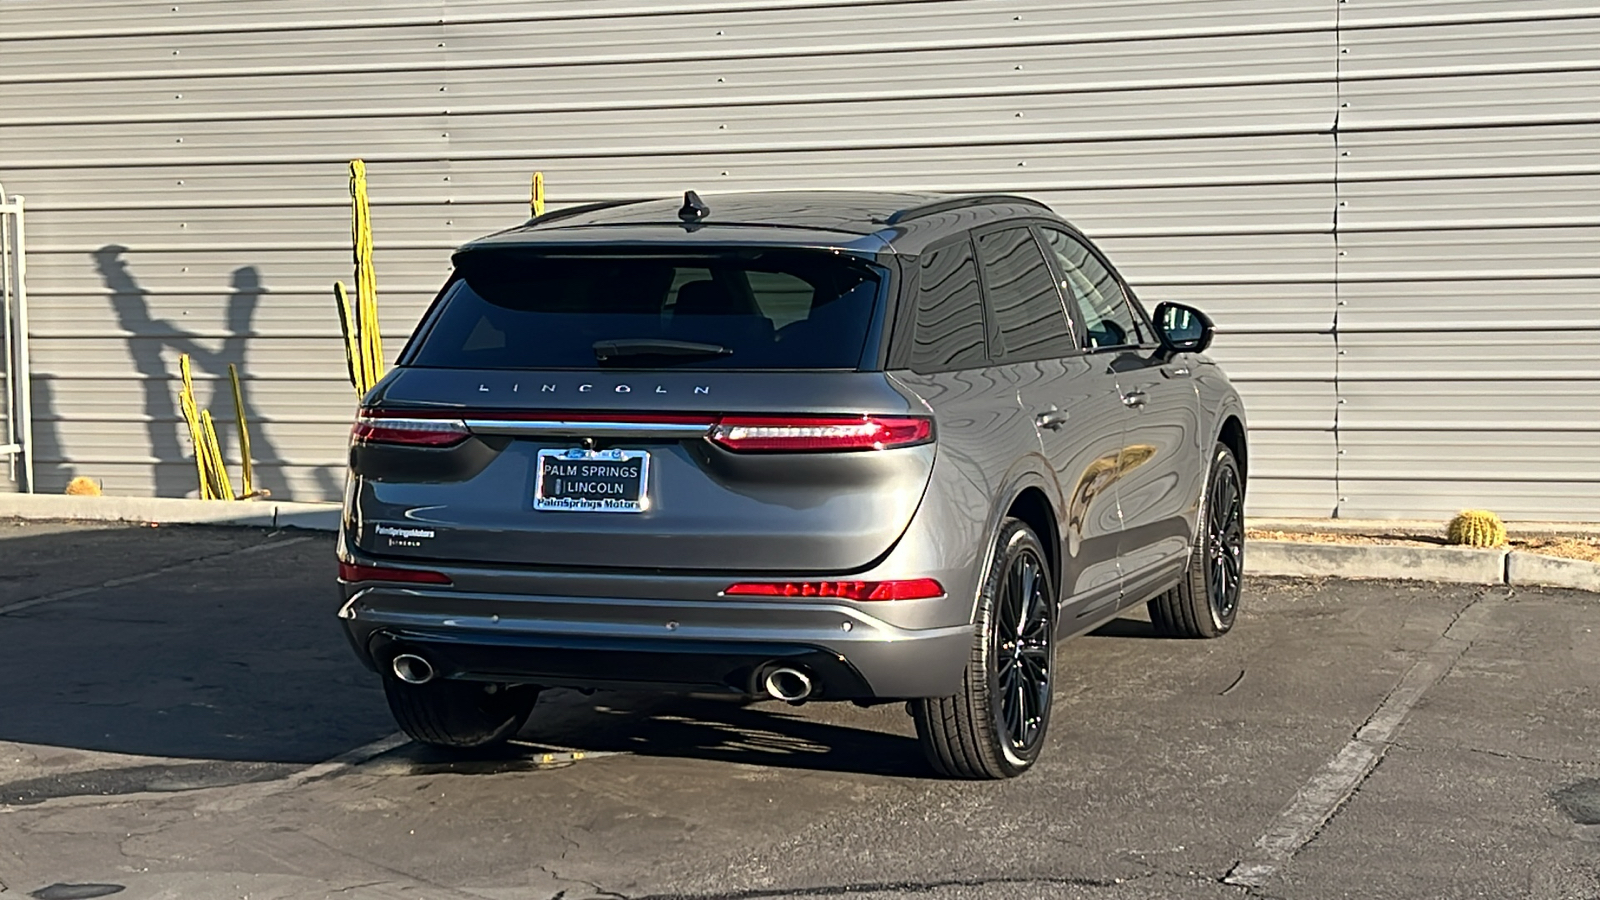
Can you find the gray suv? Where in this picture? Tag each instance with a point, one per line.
(809, 446)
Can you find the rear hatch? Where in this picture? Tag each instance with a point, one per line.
(671, 411)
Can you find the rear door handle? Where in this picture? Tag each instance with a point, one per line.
(1175, 371)
(1135, 399)
(1052, 419)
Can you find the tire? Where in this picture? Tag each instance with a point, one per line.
(1206, 602)
(995, 726)
(459, 714)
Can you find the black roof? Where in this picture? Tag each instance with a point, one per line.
(872, 221)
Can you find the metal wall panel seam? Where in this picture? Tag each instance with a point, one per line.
(653, 11)
(1171, 100)
(1517, 12)
(832, 50)
(696, 149)
(499, 202)
(1459, 71)
(1019, 90)
(1339, 153)
(645, 9)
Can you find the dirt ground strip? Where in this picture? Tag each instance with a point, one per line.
(180, 718)
(1584, 548)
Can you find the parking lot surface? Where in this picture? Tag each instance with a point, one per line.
(180, 717)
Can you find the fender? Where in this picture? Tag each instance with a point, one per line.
(1027, 472)
(1229, 405)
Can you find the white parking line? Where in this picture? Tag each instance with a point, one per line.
(72, 593)
(345, 760)
(1322, 796)
(240, 796)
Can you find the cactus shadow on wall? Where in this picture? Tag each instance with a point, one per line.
(51, 471)
(148, 337)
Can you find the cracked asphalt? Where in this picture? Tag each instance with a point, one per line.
(180, 717)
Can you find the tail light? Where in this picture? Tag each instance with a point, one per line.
(350, 573)
(375, 426)
(912, 589)
(778, 434)
(737, 433)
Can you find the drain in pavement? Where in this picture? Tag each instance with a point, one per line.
(76, 891)
(1580, 801)
(416, 759)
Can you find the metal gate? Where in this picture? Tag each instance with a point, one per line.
(18, 446)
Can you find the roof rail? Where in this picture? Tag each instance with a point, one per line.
(580, 210)
(939, 206)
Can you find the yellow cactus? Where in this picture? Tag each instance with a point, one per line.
(83, 487)
(1477, 528)
(363, 346)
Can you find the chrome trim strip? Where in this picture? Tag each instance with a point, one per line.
(559, 427)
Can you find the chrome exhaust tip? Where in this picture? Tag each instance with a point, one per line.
(412, 669)
(790, 685)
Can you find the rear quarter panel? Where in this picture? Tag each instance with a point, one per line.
(988, 452)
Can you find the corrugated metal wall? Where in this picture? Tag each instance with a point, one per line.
(1392, 207)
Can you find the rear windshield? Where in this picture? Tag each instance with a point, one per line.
(751, 309)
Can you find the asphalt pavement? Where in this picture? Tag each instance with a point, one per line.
(180, 718)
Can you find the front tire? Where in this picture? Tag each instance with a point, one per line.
(1206, 602)
(459, 714)
(995, 727)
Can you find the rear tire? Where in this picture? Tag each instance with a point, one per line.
(459, 714)
(1206, 602)
(995, 726)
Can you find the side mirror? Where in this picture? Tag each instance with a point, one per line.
(1183, 329)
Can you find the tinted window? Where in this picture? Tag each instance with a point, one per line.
(1108, 320)
(1022, 296)
(751, 309)
(949, 332)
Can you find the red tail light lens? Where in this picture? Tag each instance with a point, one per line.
(913, 589)
(375, 426)
(811, 433)
(741, 434)
(351, 573)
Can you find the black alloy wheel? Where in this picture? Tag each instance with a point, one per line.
(1023, 645)
(1205, 603)
(1224, 542)
(995, 725)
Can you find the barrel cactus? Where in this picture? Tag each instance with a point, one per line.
(1477, 528)
(83, 487)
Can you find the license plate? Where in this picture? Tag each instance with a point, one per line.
(576, 480)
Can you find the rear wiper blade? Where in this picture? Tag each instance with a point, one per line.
(604, 350)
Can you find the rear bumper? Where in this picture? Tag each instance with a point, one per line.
(668, 645)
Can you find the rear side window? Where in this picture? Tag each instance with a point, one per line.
(1022, 296)
(949, 331)
(1107, 318)
(747, 309)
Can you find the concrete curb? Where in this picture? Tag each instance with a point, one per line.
(172, 511)
(1453, 564)
(1552, 571)
(1412, 526)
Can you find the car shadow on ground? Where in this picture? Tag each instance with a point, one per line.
(181, 647)
(214, 646)
(1127, 628)
(171, 642)
(827, 737)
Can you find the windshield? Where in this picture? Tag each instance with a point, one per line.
(740, 309)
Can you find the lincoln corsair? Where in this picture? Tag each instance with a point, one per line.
(808, 446)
